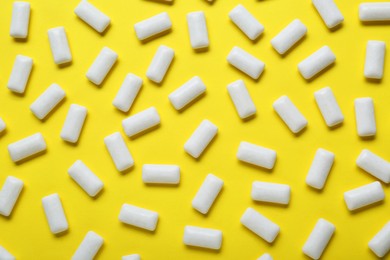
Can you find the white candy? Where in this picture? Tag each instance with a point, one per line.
(202, 237)
(364, 195)
(5, 255)
(161, 173)
(73, 123)
(369, 12)
(27, 147)
(271, 192)
(246, 62)
(55, 214)
(328, 106)
(374, 165)
(2, 125)
(260, 225)
(47, 101)
(131, 257)
(365, 117)
(380, 243)
(207, 193)
(318, 239)
(256, 155)
(9, 194)
(153, 26)
(187, 93)
(92, 16)
(20, 19)
(141, 122)
(89, 247)
(20, 74)
(160, 64)
(84, 177)
(375, 59)
(320, 168)
(127, 92)
(329, 12)
(59, 45)
(290, 114)
(265, 256)
(138, 217)
(241, 99)
(200, 138)
(101, 65)
(316, 62)
(197, 29)
(289, 36)
(247, 23)
(118, 151)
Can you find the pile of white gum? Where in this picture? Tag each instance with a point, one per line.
(181, 98)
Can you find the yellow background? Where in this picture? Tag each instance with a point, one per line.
(26, 234)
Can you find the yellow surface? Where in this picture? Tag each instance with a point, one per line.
(26, 234)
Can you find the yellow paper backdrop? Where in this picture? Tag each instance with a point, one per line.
(26, 234)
